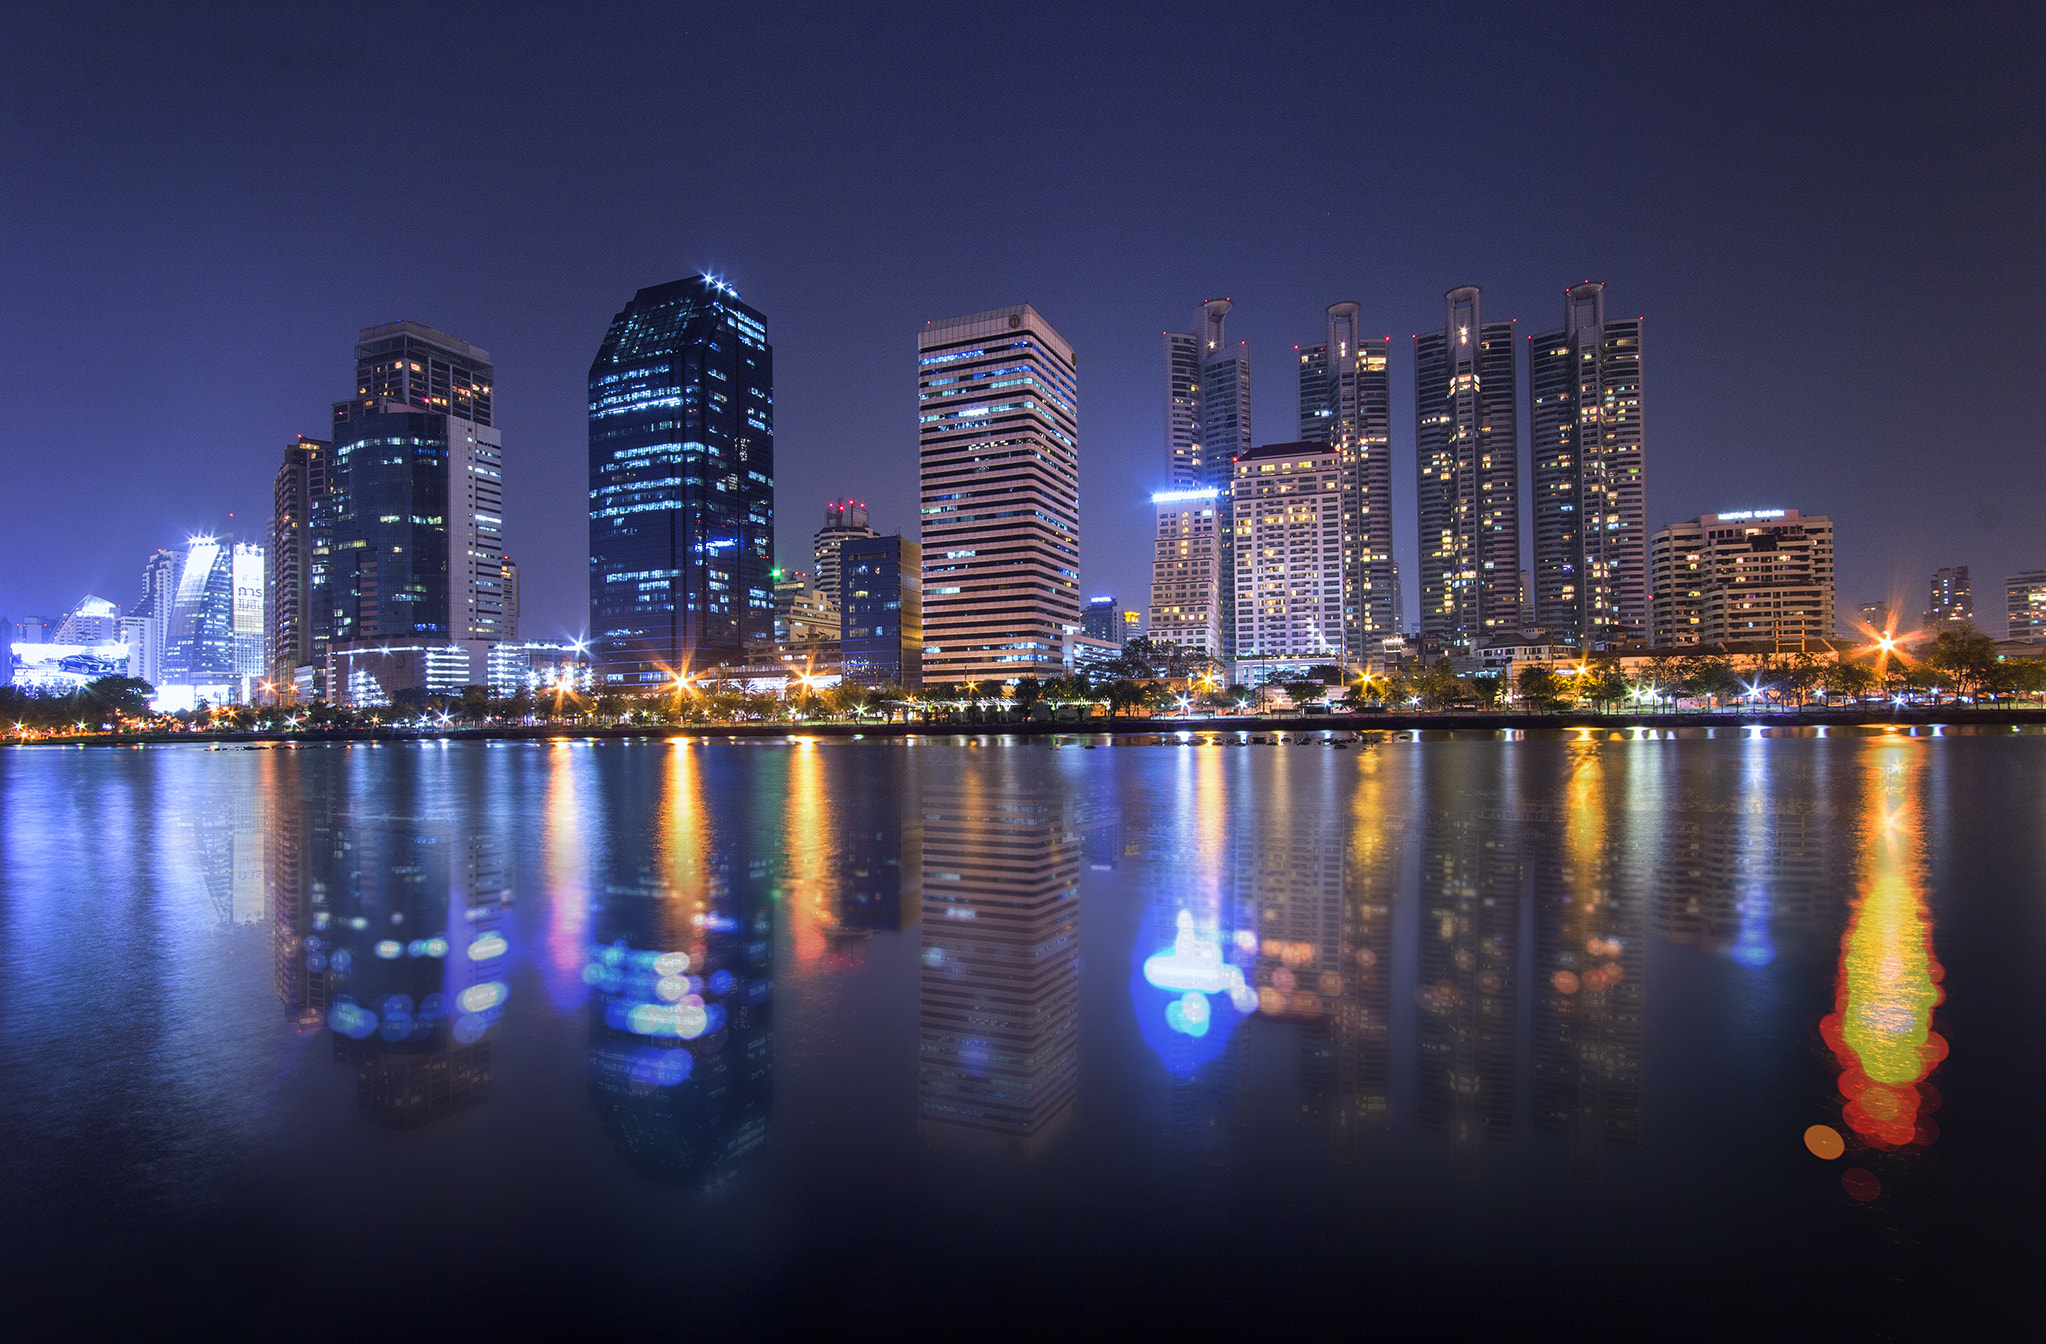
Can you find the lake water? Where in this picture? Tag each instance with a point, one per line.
(1465, 1036)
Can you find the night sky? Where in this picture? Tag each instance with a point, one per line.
(1832, 221)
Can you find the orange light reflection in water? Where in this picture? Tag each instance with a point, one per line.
(809, 891)
(1888, 981)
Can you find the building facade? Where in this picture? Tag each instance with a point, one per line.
(2024, 596)
(1739, 577)
(1186, 569)
(803, 613)
(880, 606)
(1000, 486)
(681, 484)
(1346, 402)
(1590, 498)
(301, 541)
(1101, 619)
(1952, 603)
(417, 480)
(1469, 460)
(509, 569)
(1288, 511)
(844, 520)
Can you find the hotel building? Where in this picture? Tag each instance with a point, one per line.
(1288, 512)
(1186, 570)
(1758, 574)
(2025, 605)
(1000, 482)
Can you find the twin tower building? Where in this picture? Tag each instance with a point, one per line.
(1281, 556)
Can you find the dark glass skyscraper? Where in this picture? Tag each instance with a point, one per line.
(301, 542)
(1469, 463)
(417, 481)
(681, 484)
(1590, 508)
(881, 610)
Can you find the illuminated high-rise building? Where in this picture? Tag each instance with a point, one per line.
(1346, 402)
(1952, 605)
(880, 611)
(1100, 619)
(1186, 569)
(1590, 509)
(1000, 483)
(844, 520)
(2024, 596)
(1742, 576)
(1288, 512)
(1469, 461)
(301, 540)
(681, 484)
(204, 646)
(1207, 426)
(417, 475)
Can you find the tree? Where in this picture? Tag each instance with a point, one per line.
(1603, 681)
(1124, 694)
(1438, 685)
(1328, 674)
(1488, 687)
(1540, 689)
(1303, 691)
(119, 696)
(1028, 691)
(1964, 658)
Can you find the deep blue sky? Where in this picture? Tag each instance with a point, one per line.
(1832, 220)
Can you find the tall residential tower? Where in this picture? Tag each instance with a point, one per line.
(1000, 470)
(1346, 402)
(1590, 512)
(681, 484)
(1469, 462)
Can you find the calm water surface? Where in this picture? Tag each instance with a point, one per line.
(1465, 1036)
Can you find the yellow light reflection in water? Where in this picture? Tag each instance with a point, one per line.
(1888, 981)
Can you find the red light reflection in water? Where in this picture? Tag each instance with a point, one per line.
(1888, 981)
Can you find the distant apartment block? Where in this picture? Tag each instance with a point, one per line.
(1760, 574)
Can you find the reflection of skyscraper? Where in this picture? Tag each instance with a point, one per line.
(1470, 903)
(1360, 1037)
(999, 993)
(682, 1011)
(405, 917)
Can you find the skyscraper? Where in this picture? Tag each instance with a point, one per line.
(1000, 472)
(159, 595)
(200, 653)
(1346, 402)
(844, 520)
(301, 537)
(1289, 535)
(417, 475)
(1590, 511)
(880, 606)
(1207, 425)
(1469, 461)
(1952, 605)
(2025, 605)
(681, 484)
(1100, 619)
(1186, 569)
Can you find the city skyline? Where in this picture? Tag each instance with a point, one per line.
(1711, 214)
